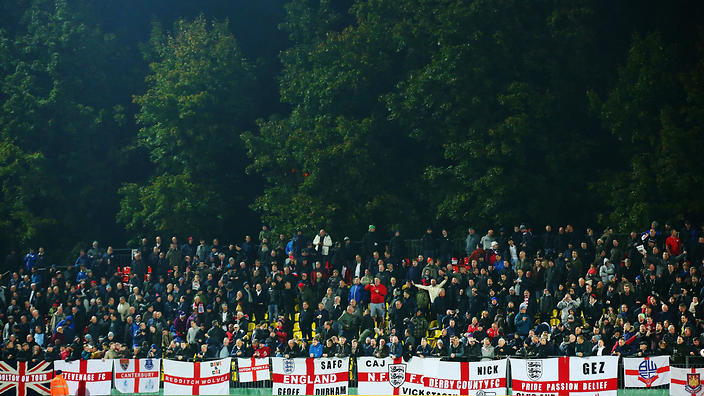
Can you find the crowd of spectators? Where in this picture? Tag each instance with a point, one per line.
(515, 292)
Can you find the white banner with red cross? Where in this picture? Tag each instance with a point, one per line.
(25, 379)
(253, 369)
(198, 378)
(646, 372)
(137, 375)
(310, 376)
(565, 376)
(686, 382)
(430, 376)
(87, 377)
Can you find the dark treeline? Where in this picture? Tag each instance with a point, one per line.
(127, 118)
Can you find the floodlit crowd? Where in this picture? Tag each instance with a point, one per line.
(508, 292)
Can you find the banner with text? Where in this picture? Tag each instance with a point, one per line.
(646, 372)
(87, 377)
(197, 378)
(253, 369)
(137, 375)
(429, 376)
(25, 379)
(565, 375)
(686, 381)
(308, 376)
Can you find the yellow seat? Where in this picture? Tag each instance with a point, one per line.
(313, 326)
(434, 323)
(437, 334)
(297, 335)
(296, 317)
(251, 326)
(296, 327)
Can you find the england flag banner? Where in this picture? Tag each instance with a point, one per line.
(87, 377)
(198, 378)
(309, 376)
(646, 372)
(419, 376)
(686, 382)
(253, 369)
(597, 375)
(25, 379)
(137, 375)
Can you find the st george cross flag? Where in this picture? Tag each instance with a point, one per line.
(199, 378)
(87, 377)
(430, 376)
(308, 376)
(25, 379)
(253, 369)
(566, 375)
(137, 375)
(686, 382)
(646, 372)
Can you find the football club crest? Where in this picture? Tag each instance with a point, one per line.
(534, 369)
(647, 371)
(482, 392)
(149, 364)
(397, 374)
(694, 384)
(289, 366)
(124, 364)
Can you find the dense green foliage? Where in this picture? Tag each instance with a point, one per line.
(121, 119)
(201, 92)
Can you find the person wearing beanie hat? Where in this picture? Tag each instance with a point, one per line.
(58, 385)
(370, 243)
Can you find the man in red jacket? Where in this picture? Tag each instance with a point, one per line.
(377, 306)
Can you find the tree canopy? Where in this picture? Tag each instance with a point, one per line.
(213, 117)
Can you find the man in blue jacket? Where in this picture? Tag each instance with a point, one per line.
(356, 291)
(395, 348)
(316, 349)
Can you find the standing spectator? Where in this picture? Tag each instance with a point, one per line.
(377, 305)
(322, 244)
(444, 247)
(673, 244)
(188, 248)
(173, 257)
(30, 260)
(138, 266)
(566, 305)
(487, 240)
(428, 244)
(370, 242)
(397, 247)
(607, 272)
(471, 242)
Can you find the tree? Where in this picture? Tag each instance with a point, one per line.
(460, 109)
(62, 133)
(336, 161)
(200, 94)
(655, 112)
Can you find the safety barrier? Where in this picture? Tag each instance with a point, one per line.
(35, 377)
